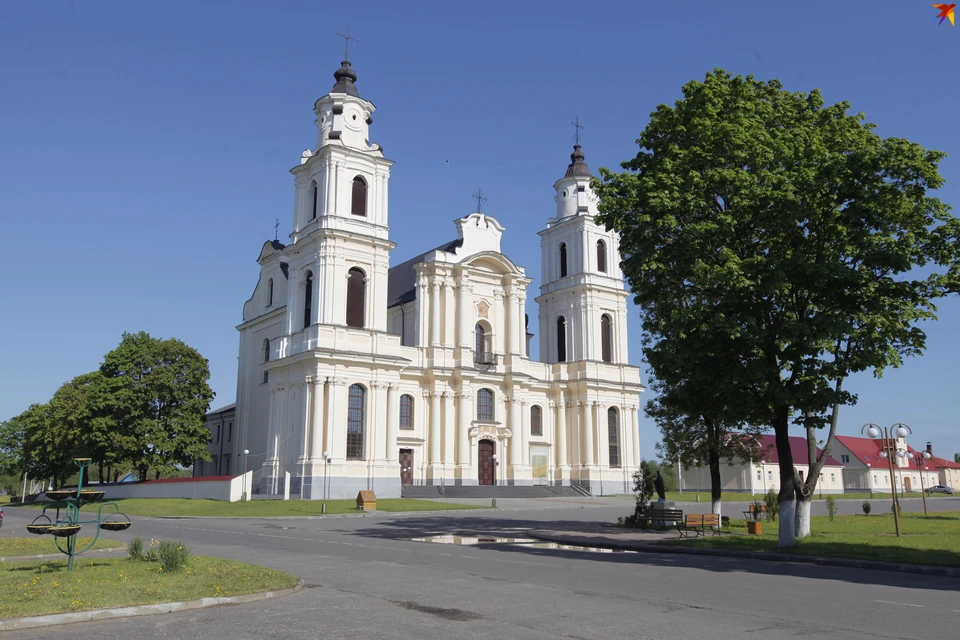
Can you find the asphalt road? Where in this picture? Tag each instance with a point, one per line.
(366, 579)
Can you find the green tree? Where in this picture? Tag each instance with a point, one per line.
(148, 407)
(790, 237)
(12, 461)
(956, 457)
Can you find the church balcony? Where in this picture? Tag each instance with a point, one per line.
(485, 358)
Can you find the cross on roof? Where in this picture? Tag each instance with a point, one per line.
(577, 126)
(480, 198)
(347, 38)
(276, 230)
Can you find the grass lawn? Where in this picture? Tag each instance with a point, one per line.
(32, 545)
(39, 588)
(932, 540)
(691, 496)
(265, 508)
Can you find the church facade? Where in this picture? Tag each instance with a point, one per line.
(357, 375)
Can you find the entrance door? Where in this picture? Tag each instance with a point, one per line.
(906, 483)
(406, 467)
(485, 449)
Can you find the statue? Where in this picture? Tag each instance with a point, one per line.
(659, 486)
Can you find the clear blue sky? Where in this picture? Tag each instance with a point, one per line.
(145, 147)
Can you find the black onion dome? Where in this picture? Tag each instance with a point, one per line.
(577, 166)
(345, 77)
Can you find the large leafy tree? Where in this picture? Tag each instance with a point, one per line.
(148, 407)
(12, 462)
(764, 219)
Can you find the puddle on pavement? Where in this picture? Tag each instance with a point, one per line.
(529, 543)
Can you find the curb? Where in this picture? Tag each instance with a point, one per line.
(56, 556)
(95, 615)
(875, 565)
(331, 516)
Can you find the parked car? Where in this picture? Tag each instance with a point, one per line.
(940, 488)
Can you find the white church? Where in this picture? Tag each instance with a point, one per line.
(357, 375)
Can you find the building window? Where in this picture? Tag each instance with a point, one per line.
(561, 339)
(226, 466)
(266, 377)
(480, 339)
(356, 420)
(266, 350)
(613, 434)
(356, 297)
(606, 338)
(316, 199)
(308, 300)
(270, 292)
(759, 475)
(485, 405)
(358, 204)
(536, 422)
(845, 459)
(601, 256)
(215, 465)
(229, 432)
(406, 412)
(219, 426)
(833, 477)
(563, 259)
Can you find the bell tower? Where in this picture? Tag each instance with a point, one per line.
(582, 299)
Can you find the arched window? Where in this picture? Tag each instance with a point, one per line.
(358, 202)
(606, 338)
(356, 296)
(269, 292)
(316, 198)
(563, 259)
(601, 256)
(266, 350)
(613, 435)
(406, 412)
(485, 405)
(561, 339)
(356, 421)
(536, 422)
(308, 300)
(480, 344)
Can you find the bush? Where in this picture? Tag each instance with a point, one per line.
(135, 548)
(831, 507)
(866, 508)
(772, 500)
(173, 555)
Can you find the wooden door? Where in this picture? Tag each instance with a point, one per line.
(485, 450)
(906, 483)
(406, 467)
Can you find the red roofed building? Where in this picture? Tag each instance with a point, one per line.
(865, 469)
(758, 477)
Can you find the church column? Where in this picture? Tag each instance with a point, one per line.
(393, 422)
(525, 432)
(304, 438)
(561, 423)
(272, 425)
(622, 333)
(336, 443)
(449, 428)
(522, 321)
(377, 421)
(497, 341)
(434, 443)
(449, 317)
(635, 435)
(586, 434)
(463, 427)
(516, 430)
(435, 314)
(512, 306)
(464, 304)
(585, 250)
(316, 424)
(423, 311)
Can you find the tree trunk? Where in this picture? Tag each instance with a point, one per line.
(803, 517)
(157, 477)
(116, 476)
(716, 484)
(142, 473)
(788, 513)
(100, 472)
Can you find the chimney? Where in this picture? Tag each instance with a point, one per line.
(930, 448)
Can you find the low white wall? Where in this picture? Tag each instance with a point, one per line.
(209, 488)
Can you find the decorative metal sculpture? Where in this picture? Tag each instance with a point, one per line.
(67, 525)
(660, 486)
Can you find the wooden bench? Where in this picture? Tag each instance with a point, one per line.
(662, 516)
(749, 513)
(699, 524)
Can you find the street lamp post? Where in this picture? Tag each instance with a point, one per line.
(246, 454)
(921, 459)
(326, 467)
(899, 430)
(494, 502)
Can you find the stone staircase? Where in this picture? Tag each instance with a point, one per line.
(503, 491)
